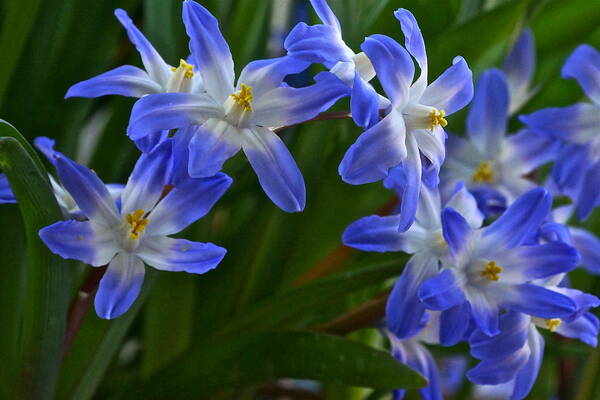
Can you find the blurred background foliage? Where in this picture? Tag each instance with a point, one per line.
(287, 281)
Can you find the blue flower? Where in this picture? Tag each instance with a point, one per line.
(134, 231)
(518, 68)
(231, 117)
(413, 125)
(324, 44)
(576, 172)
(494, 166)
(405, 314)
(493, 269)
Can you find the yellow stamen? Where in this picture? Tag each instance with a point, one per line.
(187, 68)
(553, 323)
(437, 118)
(137, 222)
(483, 173)
(244, 97)
(492, 271)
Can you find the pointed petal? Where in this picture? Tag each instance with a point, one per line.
(528, 374)
(375, 151)
(169, 254)
(288, 106)
(6, 194)
(185, 204)
(484, 311)
(526, 263)
(211, 145)
(46, 146)
(81, 241)
(455, 324)
(409, 194)
(394, 67)
(165, 111)
(577, 123)
(441, 292)
(530, 150)
(364, 103)
(584, 328)
(588, 246)
(431, 145)
(147, 180)
(88, 191)
(456, 230)
(463, 202)
(120, 286)
(584, 66)
(154, 64)
(319, 44)
(589, 196)
(266, 75)
(210, 50)
(404, 312)
(149, 142)
(124, 81)
(488, 116)
(452, 90)
(519, 221)
(514, 331)
(380, 234)
(325, 14)
(497, 371)
(534, 300)
(416, 47)
(276, 169)
(518, 68)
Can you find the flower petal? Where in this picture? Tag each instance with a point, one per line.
(528, 374)
(380, 234)
(584, 66)
(6, 194)
(266, 75)
(404, 312)
(147, 180)
(378, 149)
(149, 142)
(316, 44)
(165, 111)
(409, 194)
(154, 64)
(488, 116)
(441, 292)
(325, 14)
(416, 47)
(455, 324)
(211, 145)
(534, 300)
(169, 254)
(577, 123)
(287, 105)
(210, 50)
(518, 68)
(456, 230)
(484, 311)
(466, 205)
(589, 196)
(120, 286)
(529, 150)
(276, 169)
(584, 328)
(124, 81)
(588, 246)
(394, 67)
(519, 221)
(364, 103)
(78, 240)
(88, 191)
(452, 90)
(186, 203)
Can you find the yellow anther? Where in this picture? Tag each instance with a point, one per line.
(244, 97)
(492, 271)
(187, 68)
(137, 223)
(553, 323)
(437, 118)
(440, 241)
(483, 173)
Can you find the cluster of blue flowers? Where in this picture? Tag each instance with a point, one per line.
(489, 252)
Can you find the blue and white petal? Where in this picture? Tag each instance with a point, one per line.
(452, 90)
(528, 373)
(266, 75)
(169, 254)
(80, 240)
(126, 80)
(120, 286)
(326, 14)
(577, 123)
(488, 116)
(409, 194)
(209, 50)
(316, 44)
(457, 231)
(584, 328)
(275, 167)
(442, 291)
(584, 66)
(380, 234)
(6, 194)
(165, 111)
(518, 67)
(186, 203)
(588, 246)
(534, 300)
(154, 64)
(378, 149)
(88, 191)
(416, 47)
(211, 145)
(466, 205)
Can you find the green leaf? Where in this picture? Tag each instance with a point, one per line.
(47, 279)
(95, 346)
(295, 303)
(262, 357)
